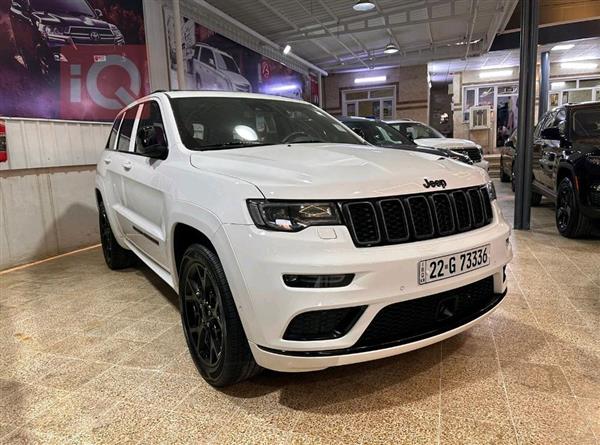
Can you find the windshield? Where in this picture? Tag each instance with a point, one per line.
(416, 130)
(217, 123)
(73, 7)
(377, 133)
(586, 124)
(230, 64)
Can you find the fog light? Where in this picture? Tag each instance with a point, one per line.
(314, 281)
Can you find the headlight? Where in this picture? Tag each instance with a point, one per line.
(491, 189)
(480, 149)
(292, 216)
(56, 31)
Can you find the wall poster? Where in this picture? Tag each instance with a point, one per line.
(214, 62)
(71, 59)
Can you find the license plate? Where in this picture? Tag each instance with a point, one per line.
(442, 267)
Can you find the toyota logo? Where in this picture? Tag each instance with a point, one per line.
(94, 35)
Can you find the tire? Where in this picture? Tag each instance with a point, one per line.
(115, 256)
(211, 324)
(503, 176)
(570, 222)
(536, 199)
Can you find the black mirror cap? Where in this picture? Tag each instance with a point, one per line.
(552, 134)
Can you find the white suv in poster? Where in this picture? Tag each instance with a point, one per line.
(213, 69)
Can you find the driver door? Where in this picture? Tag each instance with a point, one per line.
(144, 188)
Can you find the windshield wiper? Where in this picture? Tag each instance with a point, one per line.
(233, 145)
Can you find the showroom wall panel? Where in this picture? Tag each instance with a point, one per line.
(47, 188)
(45, 212)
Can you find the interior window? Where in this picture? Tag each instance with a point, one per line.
(126, 129)
(151, 118)
(110, 144)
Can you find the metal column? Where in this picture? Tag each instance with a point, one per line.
(544, 83)
(523, 173)
(178, 46)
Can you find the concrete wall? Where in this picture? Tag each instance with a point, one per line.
(47, 203)
(411, 86)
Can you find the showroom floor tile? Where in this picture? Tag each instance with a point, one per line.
(93, 356)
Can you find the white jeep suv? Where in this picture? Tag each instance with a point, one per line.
(293, 244)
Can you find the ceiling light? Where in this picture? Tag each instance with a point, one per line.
(562, 47)
(287, 49)
(497, 73)
(391, 49)
(370, 79)
(363, 5)
(579, 65)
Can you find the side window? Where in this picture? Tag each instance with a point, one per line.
(110, 144)
(151, 130)
(126, 129)
(207, 56)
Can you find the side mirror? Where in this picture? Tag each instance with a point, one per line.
(151, 142)
(551, 133)
(98, 13)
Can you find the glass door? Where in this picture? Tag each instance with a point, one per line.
(378, 103)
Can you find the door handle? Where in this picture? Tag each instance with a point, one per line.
(107, 161)
(127, 165)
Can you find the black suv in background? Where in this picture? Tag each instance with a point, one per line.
(42, 27)
(381, 134)
(566, 166)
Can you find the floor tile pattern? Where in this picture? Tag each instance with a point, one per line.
(90, 356)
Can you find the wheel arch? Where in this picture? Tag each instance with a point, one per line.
(183, 236)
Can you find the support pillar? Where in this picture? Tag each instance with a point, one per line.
(523, 165)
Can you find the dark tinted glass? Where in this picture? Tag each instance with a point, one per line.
(207, 56)
(416, 130)
(378, 133)
(110, 144)
(126, 128)
(586, 124)
(213, 123)
(151, 117)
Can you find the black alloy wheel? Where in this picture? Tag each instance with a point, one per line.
(570, 221)
(211, 324)
(115, 256)
(564, 208)
(203, 315)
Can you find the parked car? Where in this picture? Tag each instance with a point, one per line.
(566, 166)
(295, 245)
(42, 27)
(379, 133)
(425, 135)
(214, 69)
(508, 155)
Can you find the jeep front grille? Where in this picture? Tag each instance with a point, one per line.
(404, 219)
(472, 152)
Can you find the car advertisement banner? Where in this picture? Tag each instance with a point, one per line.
(71, 59)
(214, 62)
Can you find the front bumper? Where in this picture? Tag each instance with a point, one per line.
(383, 275)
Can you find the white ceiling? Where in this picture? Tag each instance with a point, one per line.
(330, 34)
(441, 70)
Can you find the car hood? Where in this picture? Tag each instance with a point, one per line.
(64, 19)
(236, 78)
(451, 143)
(335, 171)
